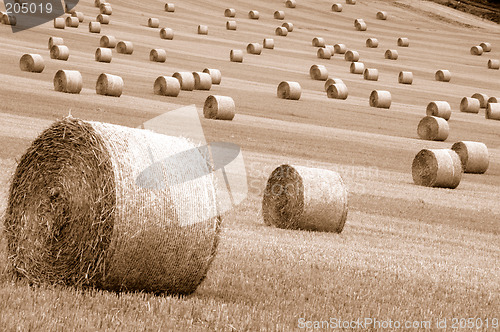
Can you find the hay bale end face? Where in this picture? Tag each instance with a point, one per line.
(351, 56)
(68, 81)
(382, 15)
(298, 197)
(254, 48)
(158, 55)
(231, 25)
(476, 50)
(219, 108)
(59, 52)
(167, 86)
(186, 79)
(94, 27)
(403, 42)
(483, 99)
(370, 74)
(391, 54)
(202, 81)
(32, 63)
(485, 46)
(230, 12)
(108, 41)
(493, 64)
(433, 128)
(318, 72)
(340, 48)
(167, 33)
(215, 74)
(268, 43)
(357, 68)
(289, 90)
(405, 77)
(279, 15)
(202, 29)
(59, 23)
(236, 56)
(170, 7)
(253, 14)
(440, 109)
(103, 54)
(103, 18)
(281, 31)
(493, 111)
(380, 99)
(153, 22)
(125, 47)
(337, 91)
(372, 42)
(318, 42)
(437, 168)
(474, 156)
(337, 7)
(109, 85)
(443, 75)
(470, 105)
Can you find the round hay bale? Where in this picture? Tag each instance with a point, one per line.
(476, 50)
(318, 72)
(483, 99)
(106, 9)
(68, 81)
(470, 105)
(253, 14)
(492, 100)
(305, 198)
(215, 74)
(493, 64)
(236, 56)
(337, 7)
(9, 19)
(219, 108)
(433, 128)
(186, 79)
(289, 90)
(439, 168)
(279, 15)
(125, 47)
(361, 26)
(108, 42)
(78, 15)
(167, 86)
(268, 43)
(474, 156)
(94, 27)
(153, 22)
(32, 63)
(443, 75)
(357, 68)
(170, 7)
(337, 91)
(59, 52)
(493, 111)
(370, 74)
(340, 48)
(158, 55)
(288, 26)
(485, 46)
(440, 109)
(202, 29)
(231, 25)
(382, 15)
(59, 23)
(358, 20)
(291, 3)
(372, 42)
(351, 56)
(103, 54)
(55, 41)
(202, 81)
(93, 224)
(230, 12)
(103, 18)
(350, 2)
(167, 33)
(403, 42)
(380, 99)
(391, 54)
(281, 31)
(254, 48)
(72, 22)
(97, 3)
(324, 53)
(318, 42)
(109, 85)
(405, 77)
(331, 48)
(331, 81)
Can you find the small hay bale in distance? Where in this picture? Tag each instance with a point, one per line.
(253, 14)
(32, 63)
(125, 47)
(381, 15)
(55, 41)
(305, 198)
(485, 46)
(337, 7)
(68, 81)
(202, 81)
(474, 156)
(94, 27)
(443, 75)
(337, 91)
(9, 19)
(318, 42)
(476, 50)
(391, 54)
(380, 99)
(59, 23)
(289, 90)
(186, 79)
(331, 48)
(370, 74)
(372, 42)
(103, 54)
(361, 26)
(106, 9)
(59, 52)
(340, 48)
(318, 72)
(167, 86)
(97, 3)
(72, 22)
(268, 43)
(279, 15)
(108, 41)
(433, 128)
(493, 64)
(440, 109)
(254, 48)
(331, 81)
(236, 55)
(202, 29)
(281, 31)
(357, 68)
(103, 18)
(219, 108)
(324, 53)
(215, 74)
(403, 42)
(439, 168)
(492, 100)
(167, 33)
(350, 2)
(230, 12)
(288, 26)
(158, 55)
(169, 7)
(291, 3)
(231, 25)
(109, 85)
(351, 56)
(153, 22)
(470, 105)
(483, 99)
(493, 111)
(405, 77)
(78, 15)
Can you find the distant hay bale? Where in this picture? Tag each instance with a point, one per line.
(125, 47)
(485, 46)
(337, 7)
(483, 99)
(219, 108)
(268, 43)
(231, 25)
(350, 2)
(289, 90)
(202, 81)
(403, 42)
(361, 26)
(340, 48)
(380, 99)
(440, 109)
(291, 3)
(474, 156)
(443, 75)
(72, 22)
(59, 52)
(101, 226)
(305, 198)
(215, 74)
(391, 54)
(68, 81)
(470, 105)
(405, 77)
(357, 68)
(318, 42)
(492, 100)
(94, 27)
(331, 48)
(186, 80)
(281, 31)
(493, 111)
(358, 20)
(103, 54)
(279, 15)
(153, 22)
(331, 81)
(370, 74)
(108, 41)
(55, 41)
(158, 55)
(105, 8)
(97, 3)
(324, 53)
(103, 18)
(59, 23)
(109, 85)
(167, 86)
(288, 26)
(337, 91)
(236, 55)
(202, 29)
(372, 42)
(382, 15)
(439, 168)
(78, 15)
(254, 48)
(9, 19)
(253, 14)
(318, 72)
(32, 63)
(230, 12)
(433, 128)
(351, 56)
(493, 64)
(167, 33)
(476, 50)
(170, 7)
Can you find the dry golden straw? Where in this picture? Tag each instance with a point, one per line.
(440, 109)
(78, 15)
(289, 90)
(381, 15)
(391, 54)
(351, 56)
(281, 31)
(253, 14)
(474, 156)
(167, 86)
(433, 128)
(32, 63)
(485, 46)
(291, 3)
(403, 42)
(68, 81)
(350, 2)
(331, 81)
(493, 64)
(109, 85)
(72, 22)
(324, 53)
(219, 108)
(476, 50)
(106, 9)
(340, 48)
(437, 168)
(493, 100)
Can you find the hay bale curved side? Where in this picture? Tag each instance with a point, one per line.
(318, 42)
(169, 7)
(253, 14)
(493, 111)
(32, 63)
(493, 64)
(69, 81)
(405, 77)
(372, 43)
(103, 54)
(476, 50)
(340, 48)
(186, 79)
(158, 55)
(72, 22)
(403, 42)
(167, 33)
(337, 91)
(103, 18)
(483, 99)
(167, 86)
(215, 74)
(433, 128)
(380, 99)
(470, 105)
(443, 75)
(109, 85)
(357, 67)
(202, 81)
(324, 53)
(107, 41)
(440, 109)
(219, 108)
(231, 25)
(291, 3)
(331, 81)
(55, 41)
(279, 15)
(370, 74)
(337, 7)
(391, 54)
(125, 47)
(230, 12)
(59, 23)
(289, 90)
(474, 156)
(351, 56)
(268, 43)
(485, 46)
(153, 22)
(203, 29)
(381, 15)
(281, 31)
(236, 55)
(94, 27)
(437, 168)
(288, 26)
(318, 72)
(59, 52)
(254, 48)
(105, 8)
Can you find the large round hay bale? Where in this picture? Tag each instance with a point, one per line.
(72, 22)
(166, 33)
(231, 25)
(493, 64)
(370, 74)
(59, 52)
(69, 81)
(324, 53)
(331, 48)
(483, 99)
(125, 47)
(254, 48)
(470, 105)
(153, 22)
(215, 74)
(288, 26)
(391, 54)
(186, 79)
(103, 18)
(9, 19)
(291, 3)
(253, 14)
(403, 42)
(78, 15)
(109, 85)
(32, 63)
(202, 29)
(298, 197)
(440, 109)
(440, 168)
(337, 7)
(476, 50)
(318, 72)
(289, 90)
(230, 12)
(485, 46)
(55, 41)
(340, 48)
(107, 41)
(279, 15)
(331, 81)
(103, 54)
(493, 111)
(219, 108)
(167, 86)
(112, 207)
(357, 68)
(158, 55)
(361, 26)
(382, 15)
(268, 43)
(372, 42)
(405, 77)
(351, 56)
(202, 81)
(350, 2)
(281, 31)
(59, 23)
(337, 91)
(443, 75)
(236, 55)
(380, 99)
(433, 128)
(105, 8)
(170, 7)
(474, 156)
(94, 27)
(318, 42)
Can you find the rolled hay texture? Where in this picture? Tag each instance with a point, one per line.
(279, 15)
(370, 74)
(94, 27)
(202, 29)
(439, 168)
(440, 109)
(170, 7)
(357, 68)
(167, 86)
(186, 80)
(281, 31)
(268, 43)
(476, 50)
(231, 25)
(78, 217)
(324, 53)
(109, 85)
(68, 81)
(78, 15)
(337, 7)
(305, 198)
(318, 42)
(382, 15)
(331, 81)
(288, 26)
(202, 81)
(350, 2)
(158, 55)
(125, 47)
(153, 22)
(105, 8)
(483, 99)
(340, 48)
(470, 105)
(289, 90)
(433, 128)
(219, 108)
(236, 56)
(55, 41)
(107, 41)
(253, 14)
(372, 42)
(331, 48)
(361, 26)
(403, 42)
(291, 3)
(215, 74)
(230, 12)
(380, 99)
(493, 111)
(474, 156)
(254, 48)
(103, 18)
(32, 63)
(318, 72)
(391, 54)
(405, 77)
(443, 75)
(337, 91)
(59, 52)
(103, 54)
(485, 46)
(167, 33)
(59, 23)
(493, 64)
(9, 19)
(72, 22)
(351, 56)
